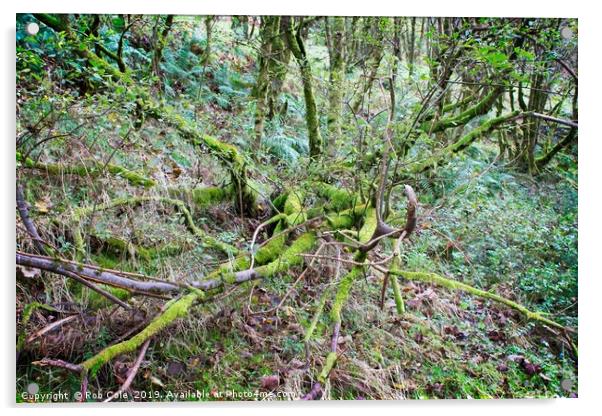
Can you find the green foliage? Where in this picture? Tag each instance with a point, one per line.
(527, 238)
(286, 148)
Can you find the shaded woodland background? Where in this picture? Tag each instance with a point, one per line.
(296, 207)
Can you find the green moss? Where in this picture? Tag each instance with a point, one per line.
(339, 199)
(290, 257)
(293, 208)
(346, 219)
(367, 230)
(340, 221)
(297, 47)
(399, 303)
(208, 196)
(106, 261)
(314, 322)
(331, 360)
(279, 201)
(294, 203)
(343, 290)
(201, 197)
(272, 248)
(268, 252)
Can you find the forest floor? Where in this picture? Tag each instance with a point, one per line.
(479, 222)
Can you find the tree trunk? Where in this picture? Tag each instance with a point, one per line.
(281, 56)
(336, 53)
(209, 21)
(295, 43)
(260, 92)
(160, 41)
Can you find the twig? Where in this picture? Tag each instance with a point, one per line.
(50, 327)
(23, 208)
(132, 373)
(49, 362)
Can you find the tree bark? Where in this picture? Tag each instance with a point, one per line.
(336, 51)
(160, 41)
(297, 46)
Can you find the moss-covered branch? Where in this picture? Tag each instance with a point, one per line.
(455, 285)
(177, 309)
(462, 143)
(479, 109)
(93, 169)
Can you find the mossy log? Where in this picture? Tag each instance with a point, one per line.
(92, 169)
(177, 309)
